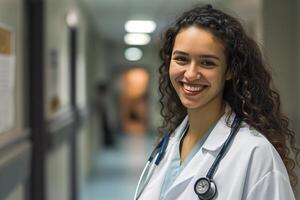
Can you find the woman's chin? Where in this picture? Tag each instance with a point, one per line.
(190, 105)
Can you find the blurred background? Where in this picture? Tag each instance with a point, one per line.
(79, 88)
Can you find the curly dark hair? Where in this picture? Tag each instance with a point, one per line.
(250, 92)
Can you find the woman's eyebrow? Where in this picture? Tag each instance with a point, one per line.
(210, 56)
(180, 53)
(177, 52)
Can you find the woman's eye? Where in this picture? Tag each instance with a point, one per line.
(181, 59)
(208, 63)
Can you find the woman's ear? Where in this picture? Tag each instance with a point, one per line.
(228, 75)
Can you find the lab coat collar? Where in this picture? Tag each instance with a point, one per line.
(221, 131)
(177, 133)
(217, 136)
(213, 143)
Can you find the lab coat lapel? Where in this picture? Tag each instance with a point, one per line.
(201, 162)
(220, 133)
(184, 178)
(152, 190)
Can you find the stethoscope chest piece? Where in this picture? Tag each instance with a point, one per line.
(205, 188)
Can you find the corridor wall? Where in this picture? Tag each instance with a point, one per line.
(14, 135)
(98, 58)
(282, 48)
(58, 103)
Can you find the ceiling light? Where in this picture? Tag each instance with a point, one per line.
(133, 54)
(72, 18)
(140, 26)
(137, 39)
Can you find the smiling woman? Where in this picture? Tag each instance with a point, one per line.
(223, 135)
(198, 68)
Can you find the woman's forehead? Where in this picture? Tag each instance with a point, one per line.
(196, 39)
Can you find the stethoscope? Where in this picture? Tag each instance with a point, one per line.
(204, 187)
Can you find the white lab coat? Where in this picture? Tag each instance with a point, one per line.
(250, 170)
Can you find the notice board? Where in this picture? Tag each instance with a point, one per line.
(7, 79)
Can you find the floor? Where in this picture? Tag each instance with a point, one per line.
(116, 171)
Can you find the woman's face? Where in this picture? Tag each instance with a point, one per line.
(198, 68)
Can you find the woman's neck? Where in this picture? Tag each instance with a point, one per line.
(200, 120)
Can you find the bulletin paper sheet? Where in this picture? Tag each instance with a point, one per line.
(7, 81)
(7, 90)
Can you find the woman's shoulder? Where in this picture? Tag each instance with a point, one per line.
(263, 164)
(250, 139)
(260, 150)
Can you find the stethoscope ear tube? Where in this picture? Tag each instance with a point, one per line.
(139, 190)
(164, 144)
(148, 170)
(157, 155)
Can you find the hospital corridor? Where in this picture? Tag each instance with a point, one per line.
(80, 107)
(119, 168)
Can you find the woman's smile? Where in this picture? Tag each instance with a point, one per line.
(192, 89)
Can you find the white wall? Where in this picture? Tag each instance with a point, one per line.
(97, 70)
(17, 194)
(56, 39)
(11, 16)
(281, 41)
(14, 21)
(57, 74)
(57, 171)
(280, 49)
(297, 82)
(297, 72)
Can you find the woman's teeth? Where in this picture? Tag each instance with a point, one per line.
(192, 88)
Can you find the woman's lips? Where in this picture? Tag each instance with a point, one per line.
(192, 89)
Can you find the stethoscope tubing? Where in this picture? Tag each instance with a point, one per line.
(159, 151)
(236, 124)
(137, 192)
(156, 155)
(151, 168)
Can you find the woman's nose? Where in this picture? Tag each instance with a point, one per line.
(192, 73)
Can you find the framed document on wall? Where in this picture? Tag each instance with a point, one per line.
(7, 79)
(15, 144)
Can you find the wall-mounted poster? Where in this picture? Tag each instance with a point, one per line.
(7, 79)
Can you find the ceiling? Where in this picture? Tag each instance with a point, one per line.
(109, 16)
